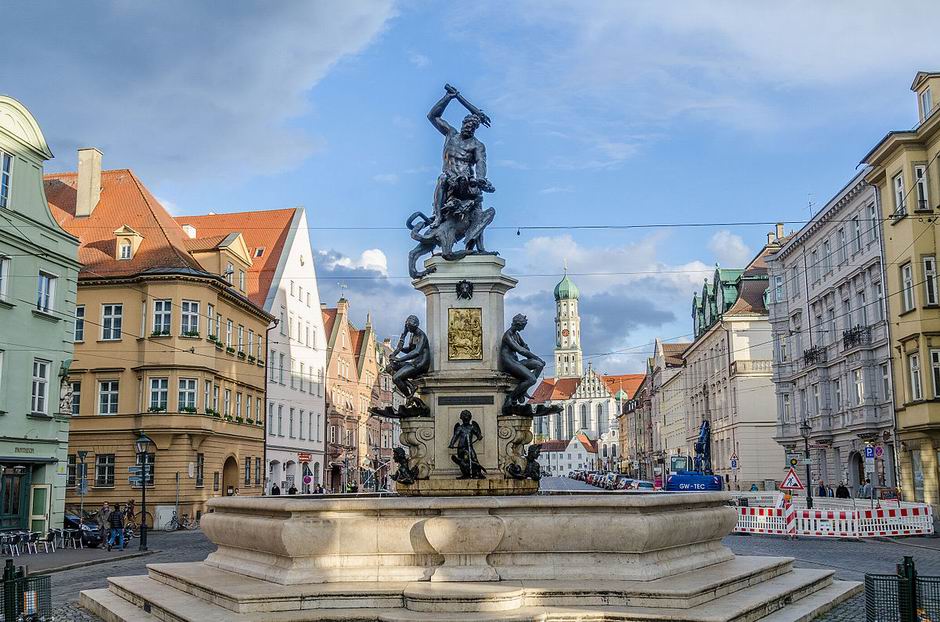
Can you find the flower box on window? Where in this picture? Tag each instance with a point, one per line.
(230, 350)
(157, 409)
(188, 409)
(191, 333)
(160, 333)
(251, 359)
(241, 355)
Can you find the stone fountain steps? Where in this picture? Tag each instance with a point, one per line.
(755, 588)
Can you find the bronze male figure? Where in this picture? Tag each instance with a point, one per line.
(526, 369)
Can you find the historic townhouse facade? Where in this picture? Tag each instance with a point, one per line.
(559, 458)
(831, 350)
(38, 270)
(167, 343)
(636, 430)
(727, 375)
(282, 279)
(905, 173)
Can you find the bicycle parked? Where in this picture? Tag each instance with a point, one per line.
(175, 524)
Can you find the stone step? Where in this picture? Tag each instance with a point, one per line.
(818, 603)
(244, 594)
(814, 588)
(112, 608)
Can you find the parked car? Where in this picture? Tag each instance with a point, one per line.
(91, 533)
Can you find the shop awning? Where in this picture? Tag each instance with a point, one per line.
(15, 460)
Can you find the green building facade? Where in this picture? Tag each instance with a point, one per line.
(38, 276)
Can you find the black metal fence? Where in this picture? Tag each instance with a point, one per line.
(902, 597)
(24, 599)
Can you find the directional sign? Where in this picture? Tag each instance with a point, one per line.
(791, 481)
(869, 451)
(134, 480)
(869, 465)
(139, 469)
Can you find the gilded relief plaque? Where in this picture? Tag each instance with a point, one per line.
(465, 334)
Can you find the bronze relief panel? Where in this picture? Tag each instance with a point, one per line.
(465, 334)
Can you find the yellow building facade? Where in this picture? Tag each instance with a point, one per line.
(905, 171)
(166, 343)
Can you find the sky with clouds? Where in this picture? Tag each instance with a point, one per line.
(604, 113)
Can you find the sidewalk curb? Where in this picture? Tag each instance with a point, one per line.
(905, 543)
(91, 562)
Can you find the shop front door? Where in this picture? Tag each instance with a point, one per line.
(14, 491)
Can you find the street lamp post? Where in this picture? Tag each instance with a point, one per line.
(142, 444)
(805, 429)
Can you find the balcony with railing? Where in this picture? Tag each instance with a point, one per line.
(752, 367)
(856, 336)
(814, 356)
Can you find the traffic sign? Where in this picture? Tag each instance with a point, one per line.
(869, 451)
(869, 465)
(791, 481)
(308, 479)
(734, 463)
(139, 469)
(879, 451)
(303, 456)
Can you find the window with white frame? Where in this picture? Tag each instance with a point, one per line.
(920, 187)
(218, 326)
(159, 394)
(280, 367)
(778, 289)
(843, 247)
(300, 425)
(210, 315)
(271, 430)
(926, 104)
(886, 381)
(879, 301)
(898, 185)
(856, 234)
(913, 365)
(6, 175)
(215, 397)
(187, 394)
(241, 280)
(104, 470)
(229, 273)
(162, 313)
(859, 387)
(261, 348)
(816, 398)
(301, 374)
(79, 332)
(125, 249)
(189, 318)
(935, 371)
(280, 420)
(108, 397)
(874, 221)
(837, 393)
(251, 342)
(827, 256)
(862, 308)
(907, 287)
(258, 417)
(930, 280)
(45, 292)
(229, 325)
(4, 276)
(206, 395)
(40, 388)
(76, 388)
(227, 409)
(241, 338)
(238, 404)
(814, 265)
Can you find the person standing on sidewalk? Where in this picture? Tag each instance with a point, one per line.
(116, 520)
(102, 517)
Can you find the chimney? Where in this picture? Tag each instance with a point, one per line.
(779, 230)
(770, 237)
(190, 231)
(342, 306)
(89, 181)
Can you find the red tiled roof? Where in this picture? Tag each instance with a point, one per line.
(673, 352)
(552, 389)
(268, 229)
(329, 318)
(549, 446)
(628, 382)
(589, 444)
(124, 201)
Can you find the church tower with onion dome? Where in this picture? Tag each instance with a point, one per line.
(568, 361)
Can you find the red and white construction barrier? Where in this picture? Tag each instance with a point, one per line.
(824, 523)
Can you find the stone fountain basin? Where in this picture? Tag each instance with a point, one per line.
(582, 537)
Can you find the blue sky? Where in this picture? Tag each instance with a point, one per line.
(606, 113)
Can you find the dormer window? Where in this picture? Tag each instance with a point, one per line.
(6, 172)
(127, 242)
(926, 104)
(259, 252)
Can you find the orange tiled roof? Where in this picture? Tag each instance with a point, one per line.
(589, 445)
(628, 382)
(124, 201)
(549, 446)
(267, 229)
(329, 318)
(552, 389)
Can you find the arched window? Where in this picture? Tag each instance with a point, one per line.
(613, 451)
(600, 413)
(125, 249)
(585, 424)
(604, 451)
(558, 426)
(569, 422)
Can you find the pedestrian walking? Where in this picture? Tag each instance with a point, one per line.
(116, 521)
(866, 490)
(275, 489)
(292, 490)
(102, 517)
(842, 492)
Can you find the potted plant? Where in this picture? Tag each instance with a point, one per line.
(228, 417)
(192, 334)
(239, 420)
(251, 359)
(229, 350)
(160, 333)
(188, 409)
(249, 420)
(157, 409)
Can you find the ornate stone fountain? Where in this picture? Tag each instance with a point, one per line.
(466, 534)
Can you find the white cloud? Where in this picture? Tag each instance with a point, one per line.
(372, 259)
(229, 81)
(386, 178)
(418, 60)
(729, 249)
(169, 206)
(556, 189)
